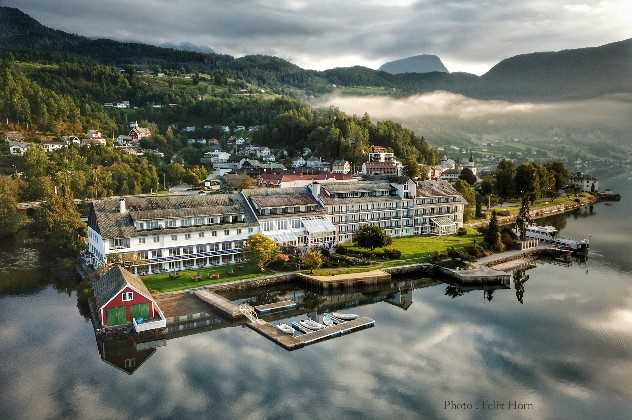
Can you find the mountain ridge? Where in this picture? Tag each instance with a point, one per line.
(566, 74)
(420, 63)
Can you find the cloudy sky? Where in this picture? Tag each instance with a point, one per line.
(469, 35)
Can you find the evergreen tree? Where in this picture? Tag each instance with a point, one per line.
(492, 236)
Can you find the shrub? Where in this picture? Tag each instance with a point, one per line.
(392, 253)
(461, 232)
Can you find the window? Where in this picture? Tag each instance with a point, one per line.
(127, 296)
(141, 240)
(156, 239)
(187, 236)
(174, 237)
(226, 232)
(171, 223)
(238, 231)
(214, 233)
(250, 230)
(201, 235)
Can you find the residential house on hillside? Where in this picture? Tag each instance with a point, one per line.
(380, 154)
(281, 180)
(215, 157)
(51, 145)
(341, 167)
(450, 175)
(139, 133)
(18, 148)
(377, 168)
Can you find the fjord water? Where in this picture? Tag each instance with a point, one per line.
(564, 353)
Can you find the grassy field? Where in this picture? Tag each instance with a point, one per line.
(186, 279)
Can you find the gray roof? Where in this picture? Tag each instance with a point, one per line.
(106, 219)
(107, 285)
(436, 189)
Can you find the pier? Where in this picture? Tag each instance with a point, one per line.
(284, 305)
(294, 342)
(365, 278)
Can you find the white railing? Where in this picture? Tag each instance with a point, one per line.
(151, 325)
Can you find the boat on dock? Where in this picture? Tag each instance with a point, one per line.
(285, 328)
(328, 320)
(344, 317)
(311, 325)
(609, 195)
(298, 327)
(549, 234)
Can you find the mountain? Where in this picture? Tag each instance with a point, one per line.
(422, 63)
(187, 46)
(578, 73)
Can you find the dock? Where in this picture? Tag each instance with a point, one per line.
(284, 305)
(350, 280)
(223, 305)
(294, 342)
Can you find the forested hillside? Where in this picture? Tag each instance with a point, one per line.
(585, 72)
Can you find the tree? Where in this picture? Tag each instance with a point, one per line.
(60, 223)
(371, 236)
(468, 194)
(478, 212)
(527, 180)
(492, 236)
(559, 172)
(10, 217)
(260, 250)
(412, 168)
(505, 178)
(312, 260)
(524, 219)
(468, 176)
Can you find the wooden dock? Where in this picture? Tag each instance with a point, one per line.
(350, 280)
(284, 305)
(294, 342)
(223, 305)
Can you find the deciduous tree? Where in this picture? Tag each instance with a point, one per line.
(260, 250)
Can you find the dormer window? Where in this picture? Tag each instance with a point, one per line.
(128, 296)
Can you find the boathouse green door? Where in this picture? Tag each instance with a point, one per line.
(140, 310)
(116, 316)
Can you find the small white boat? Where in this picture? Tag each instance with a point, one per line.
(311, 325)
(285, 328)
(298, 327)
(345, 317)
(328, 320)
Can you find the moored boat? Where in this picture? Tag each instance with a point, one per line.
(298, 327)
(311, 325)
(328, 320)
(285, 328)
(344, 317)
(548, 234)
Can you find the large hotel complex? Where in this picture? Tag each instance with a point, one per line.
(152, 234)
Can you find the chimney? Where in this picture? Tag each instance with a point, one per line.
(315, 188)
(122, 206)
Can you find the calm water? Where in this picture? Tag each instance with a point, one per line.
(565, 352)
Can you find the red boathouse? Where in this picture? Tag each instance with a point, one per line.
(122, 298)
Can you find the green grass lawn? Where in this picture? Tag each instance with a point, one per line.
(185, 279)
(417, 249)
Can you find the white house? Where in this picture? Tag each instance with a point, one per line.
(18, 148)
(215, 157)
(50, 146)
(584, 182)
(298, 163)
(341, 167)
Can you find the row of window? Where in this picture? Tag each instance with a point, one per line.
(190, 221)
(281, 224)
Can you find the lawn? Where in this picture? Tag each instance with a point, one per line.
(416, 249)
(185, 279)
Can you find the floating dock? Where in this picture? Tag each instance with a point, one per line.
(284, 305)
(294, 342)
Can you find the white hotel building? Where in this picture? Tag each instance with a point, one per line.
(171, 233)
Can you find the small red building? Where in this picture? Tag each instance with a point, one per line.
(122, 298)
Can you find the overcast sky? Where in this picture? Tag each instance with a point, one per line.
(469, 35)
